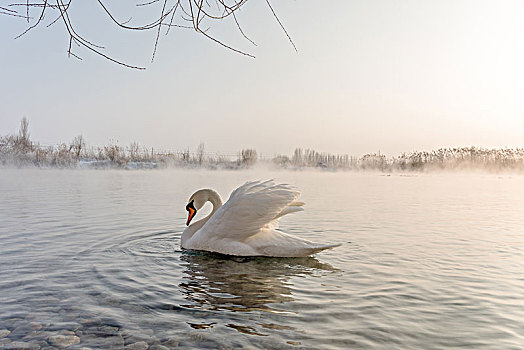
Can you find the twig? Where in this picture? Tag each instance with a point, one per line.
(11, 14)
(42, 15)
(73, 36)
(281, 25)
(159, 28)
(147, 3)
(241, 31)
(226, 46)
(6, 9)
(172, 16)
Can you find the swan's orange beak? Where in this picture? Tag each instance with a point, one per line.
(191, 211)
(190, 215)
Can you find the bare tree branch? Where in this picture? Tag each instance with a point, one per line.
(85, 43)
(10, 13)
(159, 28)
(224, 45)
(6, 9)
(147, 3)
(241, 31)
(42, 14)
(281, 25)
(171, 13)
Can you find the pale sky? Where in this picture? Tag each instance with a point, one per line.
(369, 75)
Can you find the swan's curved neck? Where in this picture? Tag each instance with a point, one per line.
(215, 199)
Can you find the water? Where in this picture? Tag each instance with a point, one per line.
(427, 261)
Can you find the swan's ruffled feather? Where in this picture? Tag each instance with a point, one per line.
(251, 207)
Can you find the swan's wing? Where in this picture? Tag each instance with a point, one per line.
(251, 207)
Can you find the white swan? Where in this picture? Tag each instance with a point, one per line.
(246, 224)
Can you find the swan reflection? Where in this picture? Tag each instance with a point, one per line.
(219, 282)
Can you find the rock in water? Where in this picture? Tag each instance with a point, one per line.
(18, 345)
(171, 342)
(158, 347)
(63, 341)
(4, 333)
(21, 331)
(141, 345)
(36, 326)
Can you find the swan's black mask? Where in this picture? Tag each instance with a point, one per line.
(191, 212)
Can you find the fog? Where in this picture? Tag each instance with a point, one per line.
(21, 151)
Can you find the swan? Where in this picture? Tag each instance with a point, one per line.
(246, 225)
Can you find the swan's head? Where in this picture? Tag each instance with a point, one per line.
(196, 201)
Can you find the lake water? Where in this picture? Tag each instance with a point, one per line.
(92, 259)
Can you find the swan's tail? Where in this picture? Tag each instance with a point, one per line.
(314, 250)
(307, 249)
(276, 243)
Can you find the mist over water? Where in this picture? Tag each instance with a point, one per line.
(428, 261)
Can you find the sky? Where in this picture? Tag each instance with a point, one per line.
(369, 76)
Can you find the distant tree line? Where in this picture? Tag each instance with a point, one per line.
(461, 158)
(19, 150)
